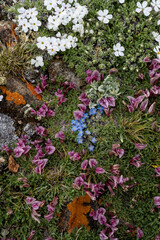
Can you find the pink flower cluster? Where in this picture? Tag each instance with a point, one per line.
(143, 100)
(93, 190)
(116, 150)
(35, 206)
(157, 201)
(39, 159)
(41, 86)
(132, 229)
(25, 181)
(51, 209)
(99, 215)
(74, 155)
(93, 76)
(135, 161)
(43, 111)
(22, 148)
(115, 180)
(62, 93)
(78, 114)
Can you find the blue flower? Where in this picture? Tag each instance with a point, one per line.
(80, 133)
(91, 147)
(93, 140)
(87, 132)
(92, 111)
(73, 122)
(85, 115)
(100, 107)
(80, 140)
(84, 125)
(82, 120)
(74, 128)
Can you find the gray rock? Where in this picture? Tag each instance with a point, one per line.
(7, 130)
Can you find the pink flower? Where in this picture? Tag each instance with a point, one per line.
(44, 77)
(79, 181)
(82, 107)
(157, 170)
(116, 150)
(95, 76)
(38, 89)
(18, 151)
(157, 201)
(31, 234)
(102, 235)
(101, 210)
(139, 233)
(84, 99)
(140, 146)
(44, 83)
(84, 164)
(90, 195)
(143, 105)
(94, 214)
(50, 149)
(99, 170)
(158, 237)
(92, 162)
(134, 161)
(60, 135)
(147, 59)
(151, 109)
(102, 219)
(104, 102)
(40, 130)
(35, 216)
(50, 113)
(78, 114)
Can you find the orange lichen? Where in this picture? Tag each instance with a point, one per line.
(12, 165)
(79, 208)
(13, 43)
(32, 90)
(3, 89)
(16, 97)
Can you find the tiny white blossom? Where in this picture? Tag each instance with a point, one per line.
(118, 50)
(156, 36)
(32, 12)
(103, 16)
(38, 62)
(41, 42)
(35, 23)
(25, 24)
(121, 1)
(157, 51)
(50, 4)
(158, 22)
(143, 8)
(156, 5)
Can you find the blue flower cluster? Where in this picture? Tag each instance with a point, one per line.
(80, 126)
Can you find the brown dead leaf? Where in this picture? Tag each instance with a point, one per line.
(12, 165)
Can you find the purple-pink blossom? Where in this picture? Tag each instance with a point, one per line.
(140, 146)
(157, 201)
(139, 233)
(60, 135)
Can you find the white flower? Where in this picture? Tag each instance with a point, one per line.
(158, 22)
(156, 5)
(1, 97)
(143, 8)
(104, 16)
(156, 36)
(38, 61)
(78, 28)
(35, 23)
(25, 24)
(50, 4)
(32, 12)
(53, 50)
(118, 50)
(121, 1)
(157, 50)
(41, 42)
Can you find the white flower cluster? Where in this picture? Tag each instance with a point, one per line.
(157, 38)
(56, 44)
(28, 19)
(38, 62)
(142, 7)
(63, 13)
